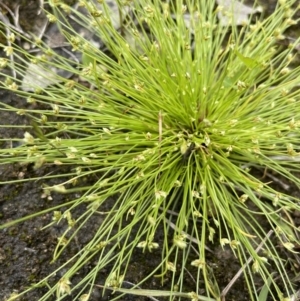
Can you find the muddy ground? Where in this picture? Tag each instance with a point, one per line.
(26, 252)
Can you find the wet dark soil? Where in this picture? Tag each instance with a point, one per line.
(26, 251)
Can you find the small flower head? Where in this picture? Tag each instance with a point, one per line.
(63, 287)
(114, 280)
(179, 241)
(234, 244)
(51, 18)
(199, 263)
(257, 264)
(13, 86)
(84, 297)
(243, 198)
(212, 232)
(160, 195)
(3, 63)
(171, 267)
(9, 50)
(288, 245)
(28, 138)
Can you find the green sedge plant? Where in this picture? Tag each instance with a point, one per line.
(173, 117)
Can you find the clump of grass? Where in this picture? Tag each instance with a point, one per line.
(176, 120)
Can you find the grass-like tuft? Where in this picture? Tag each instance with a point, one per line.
(174, 119)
